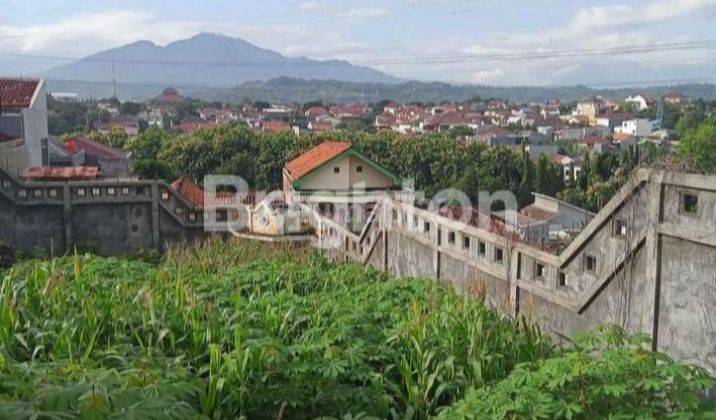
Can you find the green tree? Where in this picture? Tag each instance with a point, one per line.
(145, 150)
(698, 145)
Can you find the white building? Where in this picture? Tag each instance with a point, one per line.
(23, 123)
(65, 97)
(642, 102)
(639, 127)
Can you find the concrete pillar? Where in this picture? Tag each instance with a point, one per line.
(67, 217)
(653, 249)
(156, 241)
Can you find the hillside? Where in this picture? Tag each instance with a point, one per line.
(284, 89)
(240, 330)
(205, 60)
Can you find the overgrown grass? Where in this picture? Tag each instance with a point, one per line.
(232, 330)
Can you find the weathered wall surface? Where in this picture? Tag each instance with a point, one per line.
(687, 304)
(110, 218)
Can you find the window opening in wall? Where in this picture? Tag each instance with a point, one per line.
(451, 238)
(481, 248)
(690, 203)
(519, 266)
(498, 254)
(466, 242)
(336, 170)
(562, 280)
(620, 227)
(359, 169)
(539, 270)
(590, 263)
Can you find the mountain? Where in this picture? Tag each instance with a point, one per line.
(209, 60)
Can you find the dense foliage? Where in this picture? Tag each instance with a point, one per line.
(242, 330)
(698, 145)
(605, 375)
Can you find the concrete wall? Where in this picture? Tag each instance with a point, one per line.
(646, 262)
(107, 217)
(35, 125)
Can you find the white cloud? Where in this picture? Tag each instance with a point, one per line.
(82, 34)
(337, 10)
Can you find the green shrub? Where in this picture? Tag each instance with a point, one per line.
(605, 375)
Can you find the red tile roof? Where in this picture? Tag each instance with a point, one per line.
(592, 140)
(622, 137)
(80, 143)
(195, 194)
(62, 174)
(5, 138)
(189, 190)
(316, 157)
(17, 93)
(275, 126)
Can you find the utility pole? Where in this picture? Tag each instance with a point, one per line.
(114, 82)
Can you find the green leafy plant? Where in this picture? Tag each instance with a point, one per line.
(608, 374)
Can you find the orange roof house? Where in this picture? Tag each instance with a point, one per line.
(336, 166)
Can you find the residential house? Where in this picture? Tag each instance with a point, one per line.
(493, 136)
(23, 124)
(277, 112)
(549, 218)
(65, 97)
(191, 124)
(323, 124)
(315, 112)
(594, 144)
(639, 127)
(675, 98)
(273, 126)
(642, 102)
(590, 106)
(339, 180)
(126, 123)
(537, 150)
(110, 161)
(444, 121)
(570, 167)
(611, 120)
(571, 134)
(623, 140)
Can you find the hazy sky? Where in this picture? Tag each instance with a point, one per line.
(376, 31)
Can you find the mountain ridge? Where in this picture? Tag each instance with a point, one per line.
(206, 59)
(284, 89)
